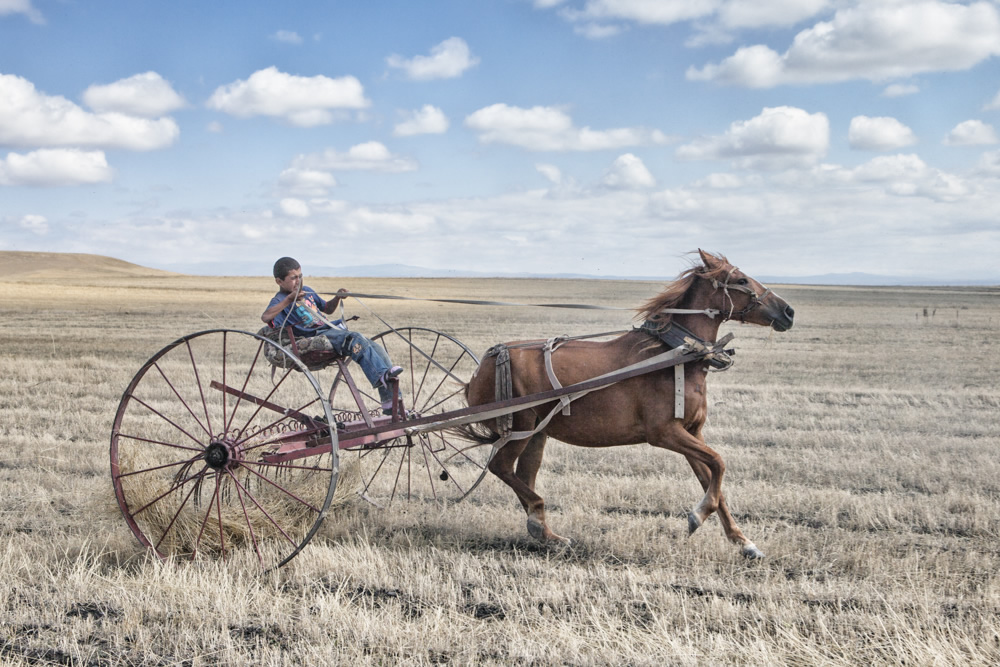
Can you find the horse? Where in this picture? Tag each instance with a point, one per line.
(632, 411)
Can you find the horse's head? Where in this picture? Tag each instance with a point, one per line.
(740, 297)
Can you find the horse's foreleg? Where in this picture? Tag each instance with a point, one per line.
(527, 454)
(675, 438)
(729, 527)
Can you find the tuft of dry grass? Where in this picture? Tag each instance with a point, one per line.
(861, 457)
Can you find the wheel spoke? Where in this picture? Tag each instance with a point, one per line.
(197, 378)
(183, 402)
(246, 381)
(165, 418)
(165, 465)
(159, 442)
(170, 490)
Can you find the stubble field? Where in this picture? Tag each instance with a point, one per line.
(862, 457)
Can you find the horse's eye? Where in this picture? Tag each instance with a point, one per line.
(742, 281)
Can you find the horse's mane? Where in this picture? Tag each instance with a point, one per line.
(673, 295)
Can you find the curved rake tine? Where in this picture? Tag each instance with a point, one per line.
(269, 517)
(285, 466)
(246, 516)
(173, 488)
(204, 522)
(283, 490)
(156, 547)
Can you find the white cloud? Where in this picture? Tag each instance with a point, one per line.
(900, 90)
(52, 167)
(36, 224)
(972, 133)
(148, 95)
(738, 14)
(993, 104)
(426, 120)
(287, 37)
(908, 175)
(628, 172)
(215, 127)
(447, 60)
(875, 41)
(370, 156)
(879, 134)
(779, 137)
(989, 164)
(294, 208)
(29, 118)
(597, 30)
(650, 12)
(307, 182)
(21, 7)
(550, 129)
(551, 172)
(299, 100)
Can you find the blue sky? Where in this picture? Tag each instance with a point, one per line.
(603, 137)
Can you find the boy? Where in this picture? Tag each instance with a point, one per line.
(299, 307)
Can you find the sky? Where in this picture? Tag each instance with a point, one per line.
(597, 137)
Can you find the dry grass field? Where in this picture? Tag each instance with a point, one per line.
(862, 450)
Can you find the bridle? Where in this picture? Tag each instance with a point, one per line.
(754, 301)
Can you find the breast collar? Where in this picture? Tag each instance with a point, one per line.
(673, 335)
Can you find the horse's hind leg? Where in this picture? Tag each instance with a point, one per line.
(527, 454)
(729, 527)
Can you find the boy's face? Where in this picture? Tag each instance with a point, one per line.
(291, 282)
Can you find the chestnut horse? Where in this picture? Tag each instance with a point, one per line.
(640, 409)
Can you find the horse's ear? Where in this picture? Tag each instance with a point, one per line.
(709, 260)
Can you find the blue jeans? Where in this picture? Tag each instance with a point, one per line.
(372, 358)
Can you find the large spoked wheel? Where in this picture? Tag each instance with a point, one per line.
(220, 447)
(431, 465)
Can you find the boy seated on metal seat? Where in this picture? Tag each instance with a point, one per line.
(301, 308)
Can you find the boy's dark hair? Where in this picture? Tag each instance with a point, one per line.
(284, 266)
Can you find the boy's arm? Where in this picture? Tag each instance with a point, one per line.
(331, 305)
(274, 310)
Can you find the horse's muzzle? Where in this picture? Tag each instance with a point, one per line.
(784, 319)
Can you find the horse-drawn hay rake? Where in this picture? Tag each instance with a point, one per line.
(225, 444)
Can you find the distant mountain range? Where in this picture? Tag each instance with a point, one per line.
(408, 271)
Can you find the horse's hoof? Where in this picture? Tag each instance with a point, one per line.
(540, 532)
(694, 523)
(751, 552)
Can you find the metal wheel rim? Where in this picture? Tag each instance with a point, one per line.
(226, 336)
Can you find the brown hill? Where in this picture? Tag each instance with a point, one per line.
(16, 264)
